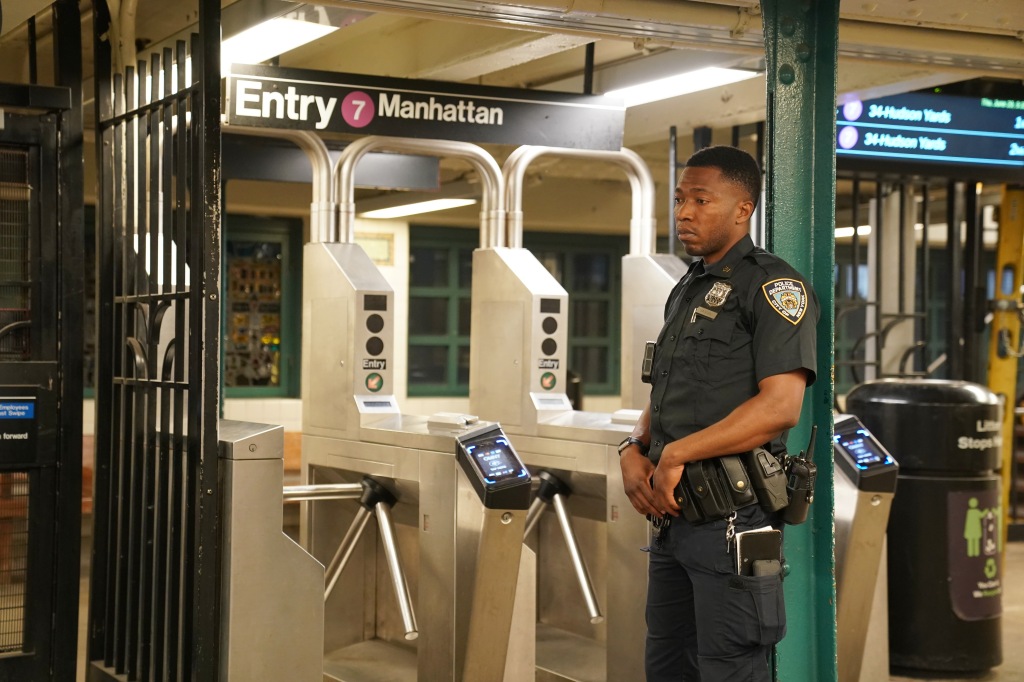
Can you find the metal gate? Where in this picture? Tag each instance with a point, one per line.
(40, 422)
(155, 593)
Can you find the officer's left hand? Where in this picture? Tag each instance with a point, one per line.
(666, 478)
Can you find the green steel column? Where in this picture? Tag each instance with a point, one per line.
(800, 49)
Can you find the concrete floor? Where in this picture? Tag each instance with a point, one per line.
(1012, 669)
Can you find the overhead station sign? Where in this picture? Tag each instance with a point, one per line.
(298, 99)
(934, 129)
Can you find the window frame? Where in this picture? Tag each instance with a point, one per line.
(453, 240)
(288, 233)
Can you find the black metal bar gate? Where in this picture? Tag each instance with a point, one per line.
(155, 585)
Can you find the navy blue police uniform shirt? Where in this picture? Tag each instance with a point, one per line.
(728, 326)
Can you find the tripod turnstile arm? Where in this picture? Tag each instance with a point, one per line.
(322, 491)
(348, 543)
(390, 544)
(582, 574)
(533, 515)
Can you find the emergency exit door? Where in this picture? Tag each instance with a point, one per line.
(40, 459)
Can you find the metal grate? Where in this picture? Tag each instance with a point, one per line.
(15, 275)
(14, 495)
(154, 595)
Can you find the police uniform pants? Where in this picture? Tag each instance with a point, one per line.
(704, 622)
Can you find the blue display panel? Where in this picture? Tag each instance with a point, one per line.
(496, 461)
(863, 448)
(934, 130)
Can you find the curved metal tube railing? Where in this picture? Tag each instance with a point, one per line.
(322, 213)
(642, 223)
(492, 211)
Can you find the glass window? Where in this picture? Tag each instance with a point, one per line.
(261, 307)
(440, 277)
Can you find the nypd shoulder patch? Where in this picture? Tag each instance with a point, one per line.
(787, 297)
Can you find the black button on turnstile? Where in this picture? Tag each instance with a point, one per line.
(375, 323)
(549, 346)
(549, 325)
(374, 345)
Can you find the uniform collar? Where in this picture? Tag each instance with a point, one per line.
(725, 267)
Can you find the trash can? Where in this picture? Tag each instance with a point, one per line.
(945, 527)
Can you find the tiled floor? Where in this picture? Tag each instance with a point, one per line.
(1012, 669)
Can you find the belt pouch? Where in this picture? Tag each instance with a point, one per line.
(711, 493)
(687, 502)
(737, 481)
(768, 478)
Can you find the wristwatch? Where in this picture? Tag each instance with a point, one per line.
(632, 441)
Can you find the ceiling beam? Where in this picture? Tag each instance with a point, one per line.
(429, 49)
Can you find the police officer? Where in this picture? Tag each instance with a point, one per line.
(731, 364)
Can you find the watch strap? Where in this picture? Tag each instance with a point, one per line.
(631, 440)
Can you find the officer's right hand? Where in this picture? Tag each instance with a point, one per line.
(636, 480)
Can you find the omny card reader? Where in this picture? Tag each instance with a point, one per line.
(862, 458)
(493, 468)
(865, 482)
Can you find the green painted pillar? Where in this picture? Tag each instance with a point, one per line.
(800, 48)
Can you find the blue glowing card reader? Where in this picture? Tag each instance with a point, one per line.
(867, 464)
(490, 462)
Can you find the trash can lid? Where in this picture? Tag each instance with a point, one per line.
(922, 392)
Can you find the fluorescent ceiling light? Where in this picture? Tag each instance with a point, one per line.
(680, 84)
(842, 232)
(269, 39)
(419, 207)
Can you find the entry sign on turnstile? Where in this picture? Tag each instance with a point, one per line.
(864, 461)
(498, 475)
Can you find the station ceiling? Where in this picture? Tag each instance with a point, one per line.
(885, 47)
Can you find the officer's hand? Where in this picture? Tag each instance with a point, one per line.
(636, 477)
(666, 478)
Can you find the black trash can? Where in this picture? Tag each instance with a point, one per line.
(945, 527)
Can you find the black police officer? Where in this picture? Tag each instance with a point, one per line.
(731, 364)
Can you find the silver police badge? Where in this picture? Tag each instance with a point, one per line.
(719, 292)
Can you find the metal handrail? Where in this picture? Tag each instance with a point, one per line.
(492, 211)
(322, 213)
(642, 224)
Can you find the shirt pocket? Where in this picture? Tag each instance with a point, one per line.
(708, 343)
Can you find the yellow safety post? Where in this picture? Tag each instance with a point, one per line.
(1005, 344)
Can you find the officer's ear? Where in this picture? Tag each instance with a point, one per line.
(744, 210)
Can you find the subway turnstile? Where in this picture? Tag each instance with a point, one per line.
(865, 482)
(453, 511)
(591, 572)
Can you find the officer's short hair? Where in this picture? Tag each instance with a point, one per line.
(734, 164)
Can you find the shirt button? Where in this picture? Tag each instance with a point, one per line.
(672, 338)
(688, 299)
(657, 443)
(699, 332)
(656, 408)
(664, 372)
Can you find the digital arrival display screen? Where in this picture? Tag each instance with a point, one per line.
(932, 129)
